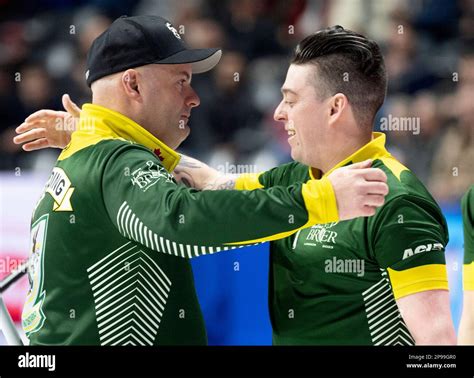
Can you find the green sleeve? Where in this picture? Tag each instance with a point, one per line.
(280, 175)
(408, 238)
(146, 205)
(467, 208)
(285, 175)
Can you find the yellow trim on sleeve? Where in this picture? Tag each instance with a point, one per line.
(248, 181)
(468, 276)
(418, 279)
(320, 202)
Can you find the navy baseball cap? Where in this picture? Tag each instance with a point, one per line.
(137, 41)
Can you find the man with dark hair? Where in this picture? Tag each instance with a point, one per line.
(376, 281)
(337, 53)
(379, 280)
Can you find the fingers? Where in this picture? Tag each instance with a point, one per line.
(70, 106)
(25, 126)
(36, 145)
(45, 115)
(363, 164)
(370, 174)
(368, 211)
(376, 187)
(374, 200)
(30, 135)
(373, 174)
(359, 190)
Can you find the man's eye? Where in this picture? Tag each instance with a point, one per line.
(289, 103)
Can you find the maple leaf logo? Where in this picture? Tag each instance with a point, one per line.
(158, 153)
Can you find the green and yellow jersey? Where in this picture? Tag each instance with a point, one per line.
(112, 235)
(337, 282)
(467, 207)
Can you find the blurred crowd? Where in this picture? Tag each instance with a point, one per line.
(428, 47)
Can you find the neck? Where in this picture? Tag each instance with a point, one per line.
(106, 93)
(345, 148)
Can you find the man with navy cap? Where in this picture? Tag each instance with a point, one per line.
(112, 234)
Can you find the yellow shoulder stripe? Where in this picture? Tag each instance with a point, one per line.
(394, 165)
(468, 276)
(418, 279)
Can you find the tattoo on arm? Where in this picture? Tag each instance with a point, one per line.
(183, 177)
(195, 174)
(186, 162)
(186, 182)
(182, 171)
(216, 185)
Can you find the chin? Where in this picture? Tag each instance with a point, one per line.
(295, 155)
(298, 156)
(184, 133)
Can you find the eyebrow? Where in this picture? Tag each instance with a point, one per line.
(287, 90)
(188, 76)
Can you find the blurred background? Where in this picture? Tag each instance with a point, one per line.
(429, 53)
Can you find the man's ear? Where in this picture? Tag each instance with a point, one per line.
(338, 103)
(130, 82)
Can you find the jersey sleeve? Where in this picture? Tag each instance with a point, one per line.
(408, 238)
(147, 206)
(276, 176)
(467, 207)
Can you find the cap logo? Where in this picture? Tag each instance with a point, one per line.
(173, 30)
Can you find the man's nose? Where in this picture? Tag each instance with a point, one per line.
(280, 114)
(192, 100)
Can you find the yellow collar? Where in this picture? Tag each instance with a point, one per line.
(98, 123)
(375, 149)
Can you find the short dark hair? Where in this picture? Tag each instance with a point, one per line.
(348, 63)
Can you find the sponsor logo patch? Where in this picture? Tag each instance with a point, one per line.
(422, 248)
(148, 176)
(60, 188)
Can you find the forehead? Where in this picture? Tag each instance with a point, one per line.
(170, 70)
(299, 78)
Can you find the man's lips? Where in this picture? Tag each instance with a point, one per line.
(184, 118)
(291, 132)
(290, 129)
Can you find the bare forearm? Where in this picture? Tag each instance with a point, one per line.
(428, 317)
(196, 174)
(442, 335)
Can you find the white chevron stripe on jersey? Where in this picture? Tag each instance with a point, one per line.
(385, 322)
(130, 293)
(131, 227)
